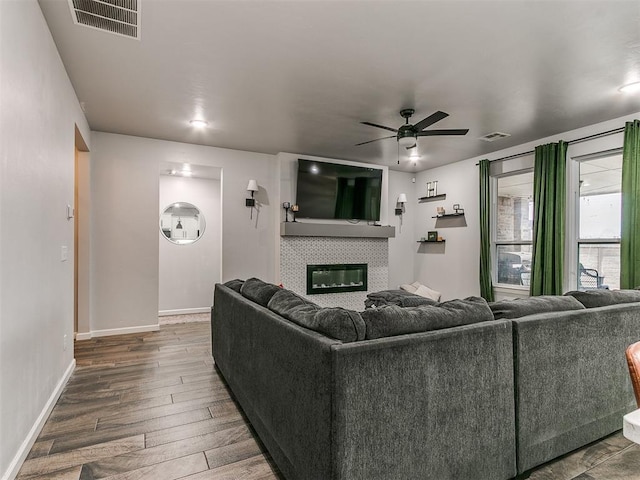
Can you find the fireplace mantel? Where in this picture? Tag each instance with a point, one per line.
(302, 229)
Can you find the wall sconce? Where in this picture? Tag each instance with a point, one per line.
(251, 202)
(402, 199)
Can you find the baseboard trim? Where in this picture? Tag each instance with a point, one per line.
(25, 448)
(183, 311)
(125, 330)
(83, 336)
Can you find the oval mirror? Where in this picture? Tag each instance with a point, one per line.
(182, 223)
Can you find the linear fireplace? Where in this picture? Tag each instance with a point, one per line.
(336, 278)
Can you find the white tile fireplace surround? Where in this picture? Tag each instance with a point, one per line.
(298, 252)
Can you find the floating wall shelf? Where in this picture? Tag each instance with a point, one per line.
(431, 241)
(446, 215)
(433, 198)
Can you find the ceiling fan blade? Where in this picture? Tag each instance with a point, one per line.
(370, 141)
(430, 120)
(453, 131)
(379, 126)
(412, 146)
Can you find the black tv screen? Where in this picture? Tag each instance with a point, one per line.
(333, 191)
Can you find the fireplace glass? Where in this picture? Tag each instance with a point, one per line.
(336, 278)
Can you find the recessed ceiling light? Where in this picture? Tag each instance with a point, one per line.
(186, 173)
(630, 88)
(198, 123)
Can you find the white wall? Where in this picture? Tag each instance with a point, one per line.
(38, 113)
(124, 251)
(403, 247)
(454, 270)
(188, 272)
(451, 267)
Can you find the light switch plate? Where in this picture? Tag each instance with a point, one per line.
(64, 254)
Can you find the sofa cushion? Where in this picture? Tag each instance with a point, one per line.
(603, 297)
(401, 298)
(258, 291)
(521, 307)
(235, 284)
(394, 320)
(340, 323)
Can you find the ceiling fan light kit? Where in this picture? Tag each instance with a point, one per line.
(407, 135)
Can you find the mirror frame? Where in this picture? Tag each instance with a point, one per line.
(201, 223)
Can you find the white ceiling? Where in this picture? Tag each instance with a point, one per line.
(300, 76)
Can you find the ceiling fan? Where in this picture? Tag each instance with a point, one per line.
(408, 134)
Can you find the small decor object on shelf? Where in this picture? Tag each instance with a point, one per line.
(440, 211)
(286, 206)
(457, 209)
(432, 189)
(432, 236)
(294, 209)
(422, 239)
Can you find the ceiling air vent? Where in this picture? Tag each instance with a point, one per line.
(492, 137)
(120, 17)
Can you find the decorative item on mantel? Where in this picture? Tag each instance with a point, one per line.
(286, 206)
(432, 188)
(294, 209)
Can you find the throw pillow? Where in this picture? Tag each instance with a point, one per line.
(426, 292)
(235, 284)
(339, 323)
(258, 291)
(393, 320)
(408, 288)
(603, 297)
(521, 307)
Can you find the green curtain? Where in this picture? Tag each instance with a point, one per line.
(486, 286)
(549, 199)
(630, 239)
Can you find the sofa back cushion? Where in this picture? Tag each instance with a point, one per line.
(258, 291)
(400, 298)
(521, 307)
(340, 323)
(235, 284)
(603, 297)
(394, 320)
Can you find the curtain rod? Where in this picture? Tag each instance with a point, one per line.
(577, 140)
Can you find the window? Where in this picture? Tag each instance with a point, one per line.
(599, 222)
(513, 228)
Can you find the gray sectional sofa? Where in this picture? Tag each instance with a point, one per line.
(458, 390)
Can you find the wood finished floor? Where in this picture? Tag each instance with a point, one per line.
(152, 406)
(147, 406)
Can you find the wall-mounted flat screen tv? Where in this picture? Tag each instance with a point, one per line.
(334, 191)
